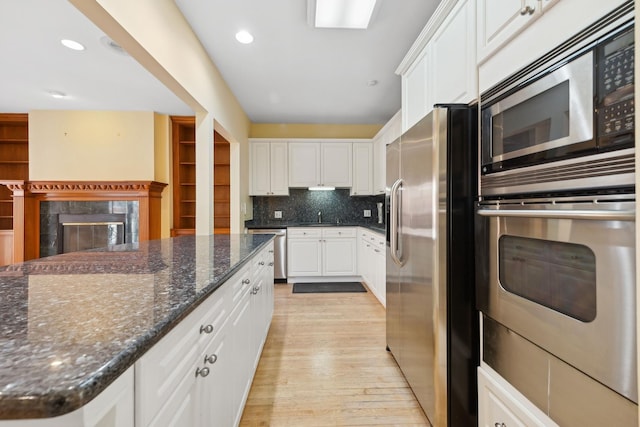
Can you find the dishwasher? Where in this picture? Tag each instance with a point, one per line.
(279, 250)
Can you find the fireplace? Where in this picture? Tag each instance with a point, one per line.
(36, 223)
(79, 232)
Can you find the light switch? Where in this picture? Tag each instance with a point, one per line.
(277, 214)
(367, 213)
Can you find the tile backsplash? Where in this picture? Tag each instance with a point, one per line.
(303, 206)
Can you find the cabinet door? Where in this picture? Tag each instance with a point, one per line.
(499, 21)
(279, 169)
(304, 164)
(241, 342)
(416, 92)
(303, 256)
(453, 69)
(498, 406)
(336, 164)
(362, 169)
(339, 257)
(215, 403)
(260, 159)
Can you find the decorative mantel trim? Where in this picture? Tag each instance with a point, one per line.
(27, 196)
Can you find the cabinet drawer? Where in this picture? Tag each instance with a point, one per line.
(304, 232)
(339, 232)
(160, 371)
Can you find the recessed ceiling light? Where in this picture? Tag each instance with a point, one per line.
(244, 37)
(72, 44)
(354, 14)
(57, 94)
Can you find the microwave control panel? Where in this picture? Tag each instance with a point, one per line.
(616, 110)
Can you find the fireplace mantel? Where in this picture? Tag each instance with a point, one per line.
(27, 196)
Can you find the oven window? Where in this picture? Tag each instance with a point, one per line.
(535, 121)
(558, 275)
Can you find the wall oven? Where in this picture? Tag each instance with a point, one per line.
(555, 228)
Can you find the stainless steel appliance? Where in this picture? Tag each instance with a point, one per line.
(555, 233)
(279, 250)
(432, 324)
(575, 105)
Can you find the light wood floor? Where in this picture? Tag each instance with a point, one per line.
(325, 363)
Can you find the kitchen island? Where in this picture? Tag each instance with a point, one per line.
(73, 326)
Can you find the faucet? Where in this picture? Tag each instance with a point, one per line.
(319, 217)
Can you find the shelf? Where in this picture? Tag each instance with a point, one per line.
(187, 201)
(14, 162)
(187, 142)
(13, 141)
(188, 183)
(188, 163)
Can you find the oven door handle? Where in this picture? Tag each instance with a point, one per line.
(562, 214)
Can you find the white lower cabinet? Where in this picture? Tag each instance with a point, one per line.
(321, 251)
(501, 405)
(201, 372)
(372, 262)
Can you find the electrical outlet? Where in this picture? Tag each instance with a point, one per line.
(367, 213)
(277, 214)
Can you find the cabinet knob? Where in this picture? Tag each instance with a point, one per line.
(202, 372)
(527, 10)
(255, 290)
(246, 281)
(261, 263)
(500, 425)
(210, 359)
(270, 251)
(377, 250)
(270, 264)
(207, 329)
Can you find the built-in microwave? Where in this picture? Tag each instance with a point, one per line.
(579, 103)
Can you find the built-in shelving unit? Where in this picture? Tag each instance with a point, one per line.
(184, 178)
(184, 174)
(221, 184)
(14, 160)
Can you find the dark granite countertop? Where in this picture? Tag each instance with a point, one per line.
(71, 324)
(251, 225)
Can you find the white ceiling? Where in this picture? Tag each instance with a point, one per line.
(292, 73)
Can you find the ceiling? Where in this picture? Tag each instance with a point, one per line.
(291, 73)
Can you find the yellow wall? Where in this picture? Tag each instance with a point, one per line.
(91, 145)
(298, 130)
(162, 171)
(156, 34)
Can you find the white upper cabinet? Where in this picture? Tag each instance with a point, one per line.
(389, 133)
(416, 93)
(336, 164)
(268, 169)
(441, 65)
(454, 56)
(362, 169)
(304, 164)
(320, 164)
(501, 20)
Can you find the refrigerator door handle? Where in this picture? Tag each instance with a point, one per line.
(395, 216)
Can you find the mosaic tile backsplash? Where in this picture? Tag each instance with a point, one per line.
(303, 206)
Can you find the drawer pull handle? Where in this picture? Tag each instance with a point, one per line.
(206, 329)
(202, 372)
(501, 424)
(377, 250)
(270, 251)
(210, 359)
(246, 281)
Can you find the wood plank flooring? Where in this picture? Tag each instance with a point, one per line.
(325, 363)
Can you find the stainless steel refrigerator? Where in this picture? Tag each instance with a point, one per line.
(432, 324)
